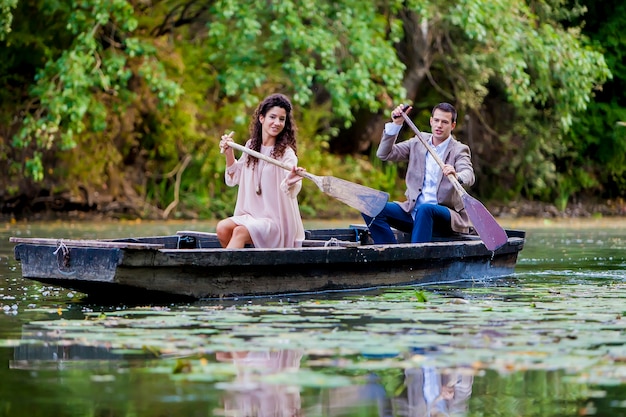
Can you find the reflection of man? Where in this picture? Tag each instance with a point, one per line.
(461, 386)
(250, 396)
(343, 401)
(430, 394)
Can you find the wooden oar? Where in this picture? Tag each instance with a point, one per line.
(488, 229)
(365, 199)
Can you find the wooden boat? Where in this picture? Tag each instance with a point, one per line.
(192, 264)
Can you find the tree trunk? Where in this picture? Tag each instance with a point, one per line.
(415, 52)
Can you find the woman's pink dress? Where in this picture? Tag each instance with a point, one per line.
(272, 217)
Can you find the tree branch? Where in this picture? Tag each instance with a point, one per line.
(179, 174)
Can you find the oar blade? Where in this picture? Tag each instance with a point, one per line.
(364, 199)
(490, 232)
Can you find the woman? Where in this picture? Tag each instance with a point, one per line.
(266, 214)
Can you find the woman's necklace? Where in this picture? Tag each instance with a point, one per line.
(259, 167)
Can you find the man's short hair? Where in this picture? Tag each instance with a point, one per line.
(446, 107)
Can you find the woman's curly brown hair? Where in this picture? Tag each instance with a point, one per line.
(287, 137)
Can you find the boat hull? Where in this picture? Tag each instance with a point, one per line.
(210, 272)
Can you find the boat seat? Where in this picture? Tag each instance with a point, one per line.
(212, 238)
(191, 239)
(210, 235)
(404, 237)
(330, 242)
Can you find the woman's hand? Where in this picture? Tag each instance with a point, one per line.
(294, 176)
(224, 142)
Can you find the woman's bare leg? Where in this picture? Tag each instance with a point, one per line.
(240, 236)
(224, 231)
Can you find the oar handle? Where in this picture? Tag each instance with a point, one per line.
(455, 182)
(266, 158)
(258, 155)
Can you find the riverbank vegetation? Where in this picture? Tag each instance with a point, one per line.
(117, 106)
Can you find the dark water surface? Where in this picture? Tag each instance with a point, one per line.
(548, 341)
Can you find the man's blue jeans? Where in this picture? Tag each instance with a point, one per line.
(429, 219)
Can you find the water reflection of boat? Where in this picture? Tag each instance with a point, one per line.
(50, 349)
(193, 265)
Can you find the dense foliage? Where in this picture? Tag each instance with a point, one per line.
(596, 157)
(118, 104)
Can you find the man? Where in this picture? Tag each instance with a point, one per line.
(433, 206)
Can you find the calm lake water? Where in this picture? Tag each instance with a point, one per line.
(550, 340)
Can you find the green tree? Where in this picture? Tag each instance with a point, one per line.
(6, 17)
(596, 163)
(527, 56)
(519, 72)
(106, 108)
(97, 58)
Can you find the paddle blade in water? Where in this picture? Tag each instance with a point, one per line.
(366, 200)
(490, 232)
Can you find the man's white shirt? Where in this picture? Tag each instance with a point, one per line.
(433, 170)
